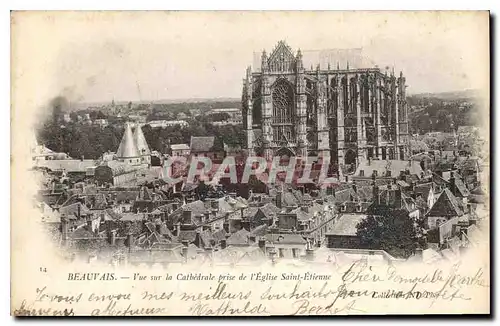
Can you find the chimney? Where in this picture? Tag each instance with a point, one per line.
(130, 240)
(398, 198)
(215, 205)
(64, 228)
(197, 239)
(186, 217)
(177, 229)
(279, 199)
(79, 207)
(223, 244)
(206, 217)
(245, 224)
(112, 238)
(89, 224)
(369, 161)
(262, 244)
(184, 253)
(376, 194)
(310, 254)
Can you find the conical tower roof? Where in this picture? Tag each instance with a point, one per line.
(127, 147)
(140, 141)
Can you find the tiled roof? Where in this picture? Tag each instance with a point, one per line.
(381, 166)
(446, 205)
(219, 235)
(82, 233)
(239, 238)
(292, 239)
(189, 235)
(260, 230)
(118, 168)
(269, 210)
(345, 195)
(178, 147)
(132, 217)
(202, 144)
(365, 193)
(71, 210)
(346, 224)
(461, 188)
(424, 189)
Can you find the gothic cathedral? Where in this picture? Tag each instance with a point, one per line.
(346, 114)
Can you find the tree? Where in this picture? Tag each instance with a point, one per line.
(388, 229)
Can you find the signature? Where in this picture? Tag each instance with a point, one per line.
(304, 307)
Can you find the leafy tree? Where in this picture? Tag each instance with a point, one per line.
(388, 229)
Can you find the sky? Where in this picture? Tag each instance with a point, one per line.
(97, 57)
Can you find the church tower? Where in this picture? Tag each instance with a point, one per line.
(127, 150)
(142, 145)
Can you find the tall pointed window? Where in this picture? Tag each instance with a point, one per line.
(283, 110)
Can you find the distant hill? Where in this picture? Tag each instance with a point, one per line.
(164, 101)
(442, 111)
(456, 95)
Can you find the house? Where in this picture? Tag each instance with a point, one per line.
(343, 233)
(458, 188)
(121, 200)
(148, 200)
(392, 196)
(386, 169)
(115, 173)
(167, 123)
(206, 147)
(180, 150)
(262, 215)
(286, 245)
(424, 194)
(446, 207)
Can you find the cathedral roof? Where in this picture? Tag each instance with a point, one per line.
(127, 147)
(332, 57)
(140, 141)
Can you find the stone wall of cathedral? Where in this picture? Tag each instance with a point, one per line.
(348, 114)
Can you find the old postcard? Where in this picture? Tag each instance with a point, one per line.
(250, 163)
